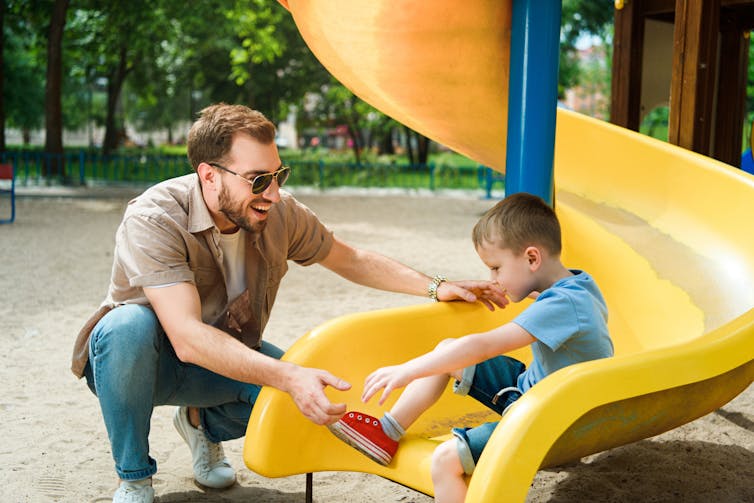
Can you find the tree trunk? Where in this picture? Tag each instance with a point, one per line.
(115, 81)
(356, 138)
(386, 143)
(53, 89)
(356, 144)
(409, 146)
(422, 147)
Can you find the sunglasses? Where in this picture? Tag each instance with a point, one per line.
(260, 182)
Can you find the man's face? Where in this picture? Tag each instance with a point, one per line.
(236, 202)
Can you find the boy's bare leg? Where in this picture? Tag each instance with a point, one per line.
(418, 396)
(448, 476)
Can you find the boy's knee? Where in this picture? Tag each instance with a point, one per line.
(445, 460)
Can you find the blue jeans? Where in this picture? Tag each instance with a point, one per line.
(133, 368)
(493, 383)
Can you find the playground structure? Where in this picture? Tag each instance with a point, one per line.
(655, 224)
(692, 56)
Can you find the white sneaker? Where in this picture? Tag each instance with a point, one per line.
(136, 491)
(211, 468)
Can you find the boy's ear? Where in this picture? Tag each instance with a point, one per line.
(534, 256)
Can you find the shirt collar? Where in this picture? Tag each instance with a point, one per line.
(199, 217)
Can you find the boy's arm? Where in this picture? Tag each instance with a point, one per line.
(454, 355)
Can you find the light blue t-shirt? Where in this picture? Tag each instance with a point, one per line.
(569, 321)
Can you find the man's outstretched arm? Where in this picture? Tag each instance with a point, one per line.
(378, 271)
(179, 311)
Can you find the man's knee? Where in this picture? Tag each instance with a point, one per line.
(131, 328)
(125, 346)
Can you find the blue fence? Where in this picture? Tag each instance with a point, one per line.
(81, 167)
(84, 167)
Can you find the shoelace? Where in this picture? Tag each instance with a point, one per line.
(213, 453)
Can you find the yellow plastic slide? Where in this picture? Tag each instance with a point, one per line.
(660, 229)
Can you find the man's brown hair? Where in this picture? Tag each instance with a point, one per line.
(210, 137)
(518, 221)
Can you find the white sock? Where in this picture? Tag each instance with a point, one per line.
(391, 427)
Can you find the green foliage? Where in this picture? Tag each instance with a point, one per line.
(581, 18)
(256, 24)
(23, 90)
(180, 56)
(452, 159)
(655, 123)
(749, 117)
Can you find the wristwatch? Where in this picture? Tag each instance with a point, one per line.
(434, 284)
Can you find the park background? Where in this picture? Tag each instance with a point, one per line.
(113, 88)
(102, 92)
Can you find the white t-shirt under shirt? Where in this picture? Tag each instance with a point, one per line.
(234, 263)
(233, 247)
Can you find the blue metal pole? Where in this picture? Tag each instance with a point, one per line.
(532, 97)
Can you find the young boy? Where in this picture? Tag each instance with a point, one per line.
(519, 240)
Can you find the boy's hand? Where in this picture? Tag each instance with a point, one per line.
(489, 293)
(387, 378)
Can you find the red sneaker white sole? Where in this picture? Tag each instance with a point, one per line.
(350, 435)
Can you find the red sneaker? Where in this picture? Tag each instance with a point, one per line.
(364, 433)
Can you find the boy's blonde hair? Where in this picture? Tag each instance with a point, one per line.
(518, 221)
(211, 136)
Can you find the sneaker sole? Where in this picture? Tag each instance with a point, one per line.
(360, 443)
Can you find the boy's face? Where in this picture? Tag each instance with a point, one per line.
(514, 272)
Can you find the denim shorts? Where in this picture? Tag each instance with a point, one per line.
(493, 383)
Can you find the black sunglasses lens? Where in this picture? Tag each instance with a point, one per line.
(283, 175)
(261, 183)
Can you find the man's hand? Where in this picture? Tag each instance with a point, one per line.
(306, 386)
(489, 293)
(387, 378)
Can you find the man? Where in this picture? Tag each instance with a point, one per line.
(197, 264)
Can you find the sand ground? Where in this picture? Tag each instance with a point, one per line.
(54, 268)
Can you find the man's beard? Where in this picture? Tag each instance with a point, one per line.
(238, 215)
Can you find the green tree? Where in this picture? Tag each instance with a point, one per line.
(196, 60)
(127, 34)
(582, 18)
(22, 64)
(270, 61)
(54, 88)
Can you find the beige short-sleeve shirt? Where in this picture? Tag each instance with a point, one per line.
(167, 235)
